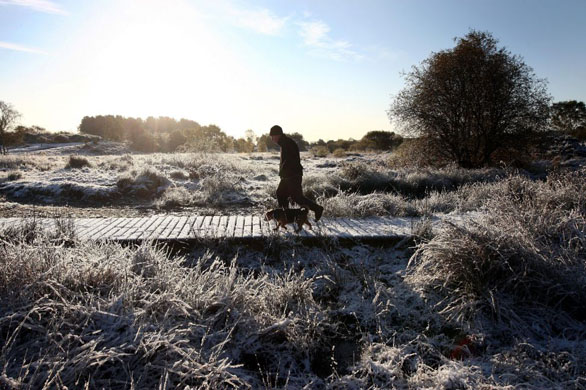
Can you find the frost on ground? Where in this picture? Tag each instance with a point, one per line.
(187, 183)
(497, 303)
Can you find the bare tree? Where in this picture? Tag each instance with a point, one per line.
(471, 100)
(8, 118)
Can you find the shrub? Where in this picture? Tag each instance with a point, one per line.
(148, 183)
(179, 175)
(528, 253)
(14, 176)
(175, 197)
(415, 153)
(320, 151)
(216, 190)
(77, 162)
(339, 153)
(377, 204)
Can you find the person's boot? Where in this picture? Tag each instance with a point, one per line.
(318, 212)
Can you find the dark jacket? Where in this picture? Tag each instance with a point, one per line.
(290, 165)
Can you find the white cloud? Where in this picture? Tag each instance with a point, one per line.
(16, 47)
(261, 20)
(316, 36)
(46, 6)
(314, 33)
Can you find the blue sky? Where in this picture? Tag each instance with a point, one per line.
(327, 69)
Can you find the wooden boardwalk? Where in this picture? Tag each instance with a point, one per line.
(186, 228)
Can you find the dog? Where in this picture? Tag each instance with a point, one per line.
(286, 216)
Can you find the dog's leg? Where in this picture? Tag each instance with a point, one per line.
(307, 222)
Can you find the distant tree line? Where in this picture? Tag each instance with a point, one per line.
(22, 135)
(165, 134)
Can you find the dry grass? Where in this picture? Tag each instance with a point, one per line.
(174, 197)
(104, 316)
(77, 162)
(147, 183)
(79, 314)
(26, 162)
(354, 205)
(528, 255)
(367, 178)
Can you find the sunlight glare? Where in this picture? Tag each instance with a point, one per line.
(162, 59)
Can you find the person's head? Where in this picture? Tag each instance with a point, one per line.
(276, 133)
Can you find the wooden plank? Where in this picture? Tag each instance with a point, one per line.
(239, 228)
(358, 224)
(113, 235)
(185, 230)
(84, 225)
(121, 231)
(148, 232)
(104, 234)
(326, 228)
(141, 231)
(229, 232)
(178, 228)
(124, 232)
(256, 232)
(221, 232)
(362, 226)
(212, 229)
(375, 226)
(96, 233)
(131, 228)
(266, 228)
(348, 229)
(194, 232)
(100, 222)
(352, 229)
(173, 221)
(182, 227)
(203, 229)
(335, 228)
(45, 223)
(114, 228)
(156, 234)
(247, 226)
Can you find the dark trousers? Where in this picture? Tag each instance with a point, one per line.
(290, 187)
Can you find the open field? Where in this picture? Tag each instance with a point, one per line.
(494, 303)
(104, 180)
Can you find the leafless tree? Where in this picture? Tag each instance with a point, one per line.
(8, 118)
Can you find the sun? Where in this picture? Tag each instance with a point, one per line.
(161, 58)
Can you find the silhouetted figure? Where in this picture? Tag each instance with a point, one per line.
(291, 173)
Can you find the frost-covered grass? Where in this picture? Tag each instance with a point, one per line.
(352, 185)
(366, 178)
(526, 257)
(279, 315)
(153, 180)
(28, 162)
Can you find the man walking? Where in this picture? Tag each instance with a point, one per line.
(291, 173)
